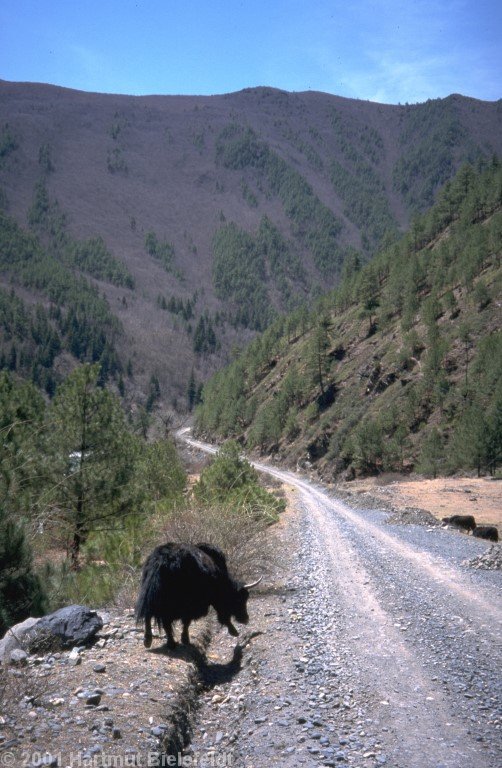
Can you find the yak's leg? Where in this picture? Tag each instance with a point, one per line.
(147, 641)
(228, 624)
(184, 634)
(233, 631)
(168, 629)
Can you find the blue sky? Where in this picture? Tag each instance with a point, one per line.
(383, 50)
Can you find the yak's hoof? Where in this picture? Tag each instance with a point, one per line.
(233, 631)
(147, 641)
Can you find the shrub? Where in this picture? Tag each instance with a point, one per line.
(244, 538)
(232, 482)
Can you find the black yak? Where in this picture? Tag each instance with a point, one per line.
(488, 532)
(464, 522)
(181, 581)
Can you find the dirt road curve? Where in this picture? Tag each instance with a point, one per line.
(380, 648)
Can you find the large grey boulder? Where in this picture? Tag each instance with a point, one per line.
(15, 637)
(70, 626)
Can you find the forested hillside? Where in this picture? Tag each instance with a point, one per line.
(84, 496)
(70, 323)
(400, 367)
(175, 228)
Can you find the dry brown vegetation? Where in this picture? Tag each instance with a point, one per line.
(245, 540)
(442, 497)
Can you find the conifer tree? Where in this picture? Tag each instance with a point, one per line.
(94, 456)
(21, 593)
(318, 360)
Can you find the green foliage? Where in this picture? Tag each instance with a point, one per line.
(74, 473)
(231, 480)
(153, 394)
(432, 456)
(284, 264)
(359, 144)
(21, 473)
(115, 161)
(46, 215)
(8, 143)
(239, 276)
(238, 148)
(90, 256)
(29, 342)
(160, 472)
(317, 359)
(248, 195)
(368, 446)
(432, 135)
(366, 203)
(93, 257)
(477, 438)
(94, 457)
(161, 250)
(21, 592)
(179, 307)
(358, 180)
(4, 200)
(227, 473)
(243, 263)
(21, 445)
(204, 337)
(434, 377)
(45, 158)
(114, 130)
(79, 319)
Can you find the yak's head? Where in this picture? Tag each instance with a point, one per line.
(236, 606)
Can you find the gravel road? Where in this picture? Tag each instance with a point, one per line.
(377, 647)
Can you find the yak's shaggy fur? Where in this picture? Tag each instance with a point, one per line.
(181, 582)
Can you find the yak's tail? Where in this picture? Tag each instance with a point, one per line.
(148, 599)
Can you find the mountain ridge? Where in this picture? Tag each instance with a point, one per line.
(331, 175)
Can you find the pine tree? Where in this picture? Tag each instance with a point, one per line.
(318, 363)
(22, 455)
(21, 593)
(471, 440)
(191, 391)
(94, 457)
(432, 455)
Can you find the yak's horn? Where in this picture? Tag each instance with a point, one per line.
(253, 583)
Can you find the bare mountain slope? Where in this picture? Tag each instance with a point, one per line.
(330, 174)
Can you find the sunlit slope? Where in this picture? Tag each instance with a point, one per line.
(400, 367)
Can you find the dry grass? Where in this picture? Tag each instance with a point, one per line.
(245, 540)
(444, 496)
(25, 682)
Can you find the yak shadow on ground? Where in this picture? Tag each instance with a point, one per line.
(211, 673)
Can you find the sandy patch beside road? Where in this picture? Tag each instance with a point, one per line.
(481, 497)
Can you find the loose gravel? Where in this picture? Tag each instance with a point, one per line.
(379, 646)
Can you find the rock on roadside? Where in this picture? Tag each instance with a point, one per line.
(66, 628)
(112, 698)
(15, 637)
